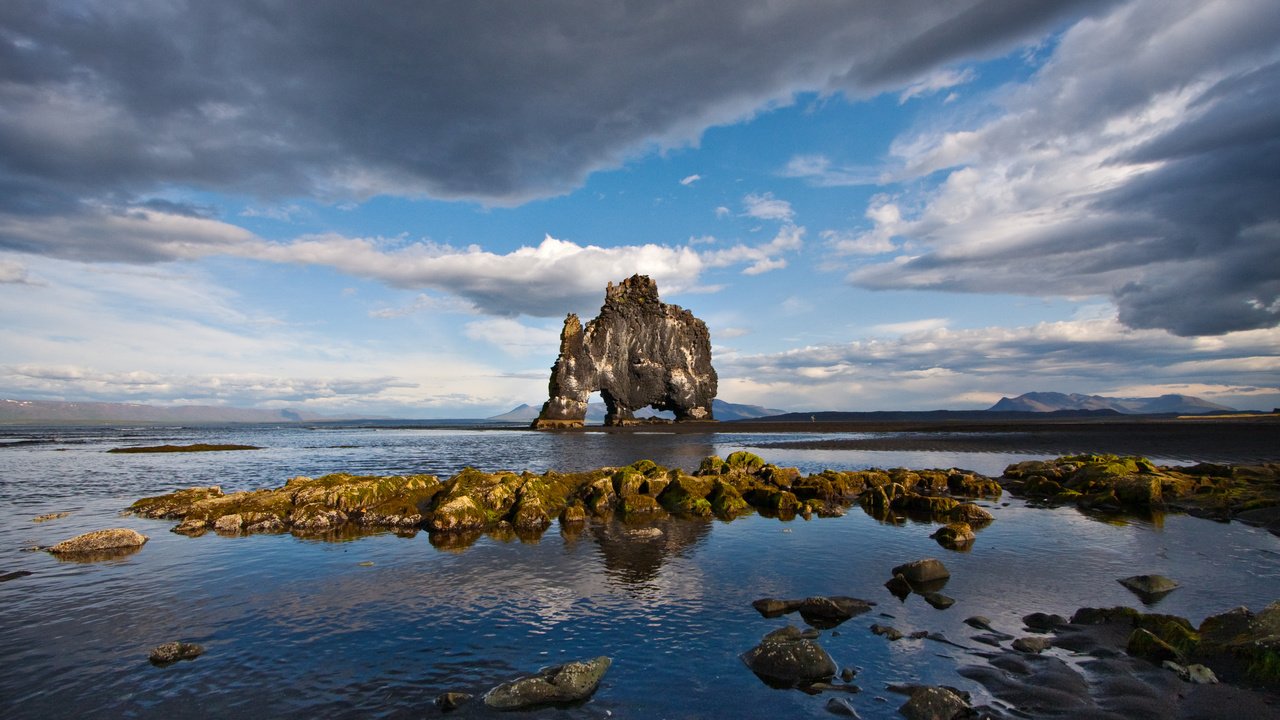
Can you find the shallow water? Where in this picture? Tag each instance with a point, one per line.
(377, 626)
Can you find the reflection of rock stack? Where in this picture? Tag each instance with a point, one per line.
(638, 352)
(635, 555)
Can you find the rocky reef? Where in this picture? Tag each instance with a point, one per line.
(1109, 483)
(638, 352)
(459, 509)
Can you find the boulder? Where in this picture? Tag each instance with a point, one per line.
(114, 539)
(1149, 588)
(786, 657)
(919, 572)
(637, 352)
(570, 682)
(1032, 645)
(172, 652)
(955, 536)
(934, 703)
(828, 612)
(938, 600)
(451, 700)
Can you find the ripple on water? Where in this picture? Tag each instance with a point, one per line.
(307, 628)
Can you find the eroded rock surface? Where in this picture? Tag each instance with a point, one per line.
(638, 352)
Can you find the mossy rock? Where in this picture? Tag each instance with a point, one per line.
(530, 514)
(744, 461)
(973, 515)
(968, 484)
(573, 514)
(779, 476)
(726, 502)
(458, 513)
(628, 481)
(175, 504)
(1145, 644)
(688, 495)
(924, 504)
(782, 502)
(640, 506)
(712, 465)
(316, 517)
(814, 487)
(648, 468)
(352, 493)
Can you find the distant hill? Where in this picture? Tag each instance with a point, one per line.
(50, 411)
(724, 411)
(1053, 401)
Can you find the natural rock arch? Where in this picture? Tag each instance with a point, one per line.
(638, 352)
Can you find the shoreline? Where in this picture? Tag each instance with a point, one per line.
(1249, 440)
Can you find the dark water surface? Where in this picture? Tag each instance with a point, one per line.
(377, 626)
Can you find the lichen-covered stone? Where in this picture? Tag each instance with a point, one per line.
(570, 682)
(638, 352)
(172, 652)
(786, 656)
(99, 541)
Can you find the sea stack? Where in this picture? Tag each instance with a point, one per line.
(638, 352)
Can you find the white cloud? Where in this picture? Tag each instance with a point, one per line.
(759, 258)
(940, 79)
(766, 207)
(910, 326)
(515, 338)
(931, 366)
(819, 170)
(691, 179)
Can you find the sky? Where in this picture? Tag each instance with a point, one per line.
(389, 208)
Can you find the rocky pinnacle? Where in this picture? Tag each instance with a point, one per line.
(638, 352)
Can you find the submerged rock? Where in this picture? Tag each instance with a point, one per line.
(570, 682)
(451, 700)
(172, 652)
(786, 657)
(920, 572)
(934, 703)
(49, 516)
(1150, 588)
(98, 541)
(955, 536)
(14, 575)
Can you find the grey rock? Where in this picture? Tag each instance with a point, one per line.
(100, 540)
(451, 700)
(1032, 645)
(923, 571)
(786, 657)
(570, 682)
(934, 703)
(939, 601)
(637, 352)
(1043, 622)
(172, 652)
(1149, 588)
(841, 707)
(828, 612)
(887, 631)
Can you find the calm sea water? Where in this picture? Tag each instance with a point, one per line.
(377, 626)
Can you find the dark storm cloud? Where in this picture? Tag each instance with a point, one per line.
(496, 102)
(1147, 172)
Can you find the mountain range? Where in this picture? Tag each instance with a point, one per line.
(52, 411)
(1055, 401)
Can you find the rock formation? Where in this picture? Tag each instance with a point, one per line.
(638, 352)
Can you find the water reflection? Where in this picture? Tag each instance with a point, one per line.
(634, 555)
